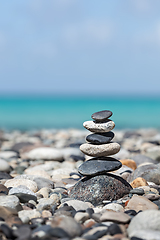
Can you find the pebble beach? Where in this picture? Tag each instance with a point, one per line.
(38, 170)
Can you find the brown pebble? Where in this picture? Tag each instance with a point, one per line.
(3, 190)
(138, 182)
(138, 203)
(46, 214)
(129, 163)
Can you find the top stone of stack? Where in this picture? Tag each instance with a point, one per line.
(101, 123)
(101, 116)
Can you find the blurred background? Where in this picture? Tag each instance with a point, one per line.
(62, 60)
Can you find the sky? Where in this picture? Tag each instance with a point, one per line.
(80, 47)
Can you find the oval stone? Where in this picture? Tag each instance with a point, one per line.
(100, 150)
(99, 127)
(97, 166)
(100, 138)
(101, 115)
(99, 188)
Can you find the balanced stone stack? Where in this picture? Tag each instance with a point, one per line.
(99, 185)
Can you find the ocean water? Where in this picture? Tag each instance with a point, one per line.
(35, 112)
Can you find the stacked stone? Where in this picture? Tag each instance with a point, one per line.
(97, 184)
(99, 146)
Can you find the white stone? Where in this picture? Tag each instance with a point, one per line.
(10, 201)
(8, 154)
(78, 205)
(114, 206)
(45, 153)
(4, 166)
(26, 215)
(148, 220)
(100, 150)
(16, 182)
(99, 127)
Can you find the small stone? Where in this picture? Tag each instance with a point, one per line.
(100, 150)
(46, 214)
(78, 205)
(8, 154)
(138, 203)
(138, 182)
(100, 138)
(27, 215)
(96, 166)
(23, 232)
(114, 206)
(10, 201)
(138, 191)
(150, 172)
(99, 127)
(45, 153)
(81, 217)
(16, 182)
(148, 220)
(99, 188)
(3, 190)
(115, 217)
(101, 115)
(4, 166)
(7, 212)
(45, 204)
(4, 175)
(95, 233)
(68, 224)
(139, 159)
(129, 163)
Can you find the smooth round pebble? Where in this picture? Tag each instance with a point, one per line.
(100, 150)
(100, 138)
(97, 166)
(45, 153)
(4, 166)
(16, 182)
(101, 115)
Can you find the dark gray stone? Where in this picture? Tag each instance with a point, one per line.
(100, 138)
(4, 175)
(23, 197)
(150, 172)
(138, 191)
(99, 188)
(18, 146)
(139, 159)
(97, 166)
(101, 116)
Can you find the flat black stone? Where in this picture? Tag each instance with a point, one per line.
(100, 138)
(99, 188)
(101, 116)
(97, 166)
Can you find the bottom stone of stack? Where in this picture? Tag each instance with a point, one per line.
(99, 188)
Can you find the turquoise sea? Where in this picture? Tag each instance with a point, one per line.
(35, 112)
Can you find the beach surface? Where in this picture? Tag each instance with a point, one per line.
(38, 172)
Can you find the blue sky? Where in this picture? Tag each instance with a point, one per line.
(80, 46)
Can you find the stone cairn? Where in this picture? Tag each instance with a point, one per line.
(97, 184)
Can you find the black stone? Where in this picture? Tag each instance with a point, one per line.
(99, 188)
(24, 197)
(23, 232)
(100, 138)
(4, 175)
(58, 233)
(113, 229)
(97, 166)
(101, 116)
